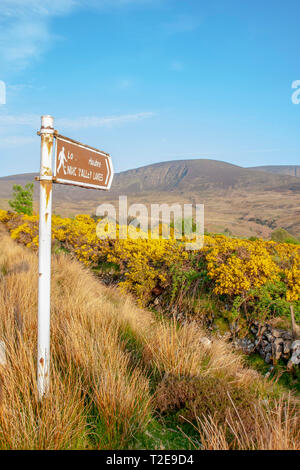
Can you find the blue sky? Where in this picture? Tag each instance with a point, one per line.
(152, 80)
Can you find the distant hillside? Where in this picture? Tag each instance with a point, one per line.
(177, 175)
(292, 170)
(199, 175)
(245, 201)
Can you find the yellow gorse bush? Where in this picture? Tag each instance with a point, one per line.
(237, 266)
(288, 259)
(145, 263)
(4, 216)
(234, 266)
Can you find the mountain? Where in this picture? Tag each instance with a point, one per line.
(291, 170)
(198, 175)
(243, 201)
(178, 175)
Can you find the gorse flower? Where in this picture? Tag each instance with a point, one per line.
(145, 260)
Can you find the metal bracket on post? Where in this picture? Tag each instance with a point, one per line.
(43, 358)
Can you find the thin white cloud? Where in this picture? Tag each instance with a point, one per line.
(83, 122)
(25, 32)
(18, 87)
(24, 29)
(29, 8)
(9, 124)
(16, 141)
(185, 155)
(264, 151)
(48, 8)
(8, 120)
(182, 24)
(176, 66)
(86, 122)
(124, 84)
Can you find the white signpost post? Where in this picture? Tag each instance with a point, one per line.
(75, 164)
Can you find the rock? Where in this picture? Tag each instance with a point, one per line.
(278, 341)
(296, 345)
(268, 348)
(295, 359)
(268, 358)
(246, 345)
(277, 333)
(254, 329)
(269, 372)
(271, 343)
(277, 348)
(261, 352)
(268, 336)
(206, 342)
(287, 348)
(287, 336)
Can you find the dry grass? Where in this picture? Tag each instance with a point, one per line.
(93, 390)
(107, 356)
(234, 407)
(274, 428)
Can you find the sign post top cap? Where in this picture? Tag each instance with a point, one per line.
(47, 121)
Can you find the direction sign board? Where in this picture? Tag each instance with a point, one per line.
(81, 165)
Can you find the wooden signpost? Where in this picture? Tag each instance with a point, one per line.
(81, 165)
(75, 164)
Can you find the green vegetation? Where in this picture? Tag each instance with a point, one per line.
(22, 201)
(281, 235)
(277, 373)
(266, 222)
